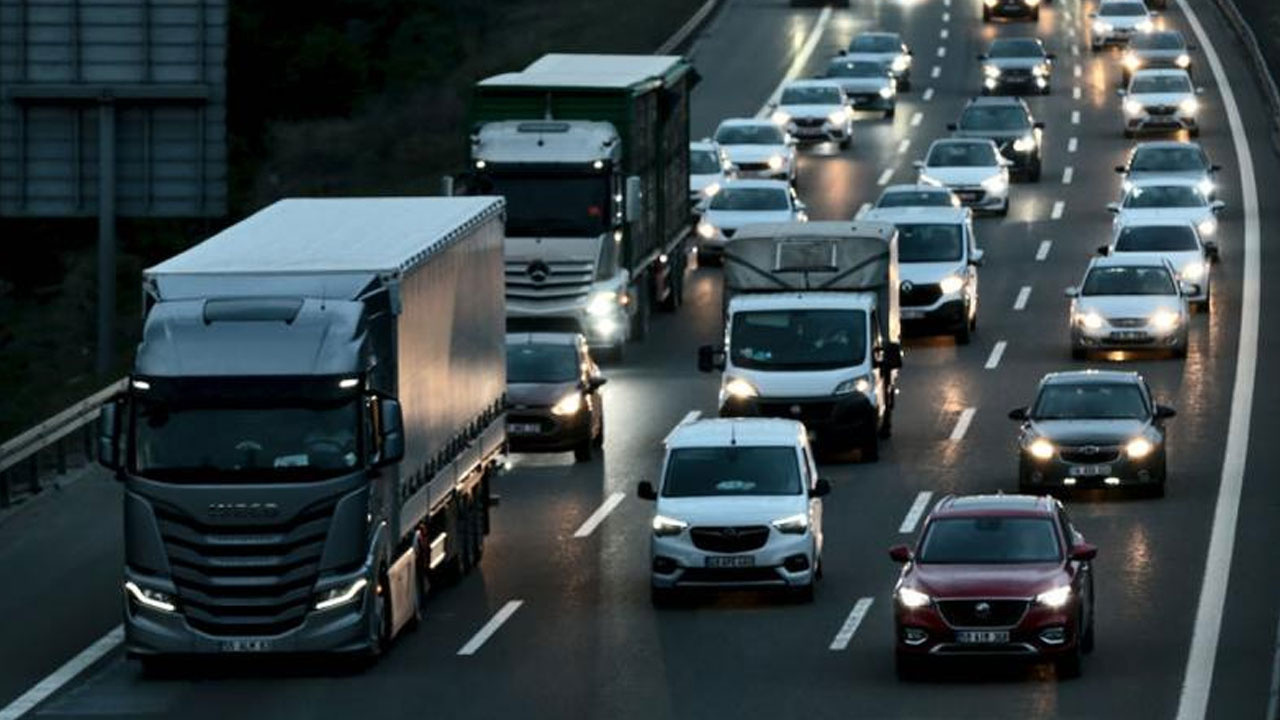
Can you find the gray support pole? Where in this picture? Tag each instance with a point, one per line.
(106, 235)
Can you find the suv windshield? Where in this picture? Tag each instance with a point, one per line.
(704, 162)
(990, 540)
(732, 471)
(1015, 48)
(917, 198)
(749, 198)
(1159, 85)
(957, 154)
(875, 44)
(1161, 238)
(749, 135)
(541, 363)
(930, 243)
(551, 204)
(1158, 41)
(810, 96)
(798, 339)
(856, 68)
(994, 117)
(1168, 159)
(1165, 196)
(1090, 401)
(1134, 280)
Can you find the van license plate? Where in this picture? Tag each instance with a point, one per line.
(982, 637)
(731, 561)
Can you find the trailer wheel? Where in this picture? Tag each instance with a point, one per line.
(640, 321)
(675, 284)
(477, 531)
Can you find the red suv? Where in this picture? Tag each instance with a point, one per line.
(999, 575)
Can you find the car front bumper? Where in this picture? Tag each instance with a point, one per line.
(1151, 121)
(925, 633)
(979, 198)
(1108, 467)
(1138, 338)
(825, 131)
(539, 430)
(784, 560)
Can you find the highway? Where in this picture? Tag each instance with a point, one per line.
(557, 623)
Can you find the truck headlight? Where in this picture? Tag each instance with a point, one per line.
(740, 389)
(1133, 107)
(1138, 448)
(796, 524)
(909, 598)
(996, 184)
(1056, 597)
(706, 230)
(342, 595)
(568, 405)
(1208, 226)
(888, 91)
(852, 385)
(1183, 61)
(1190, 106)
(776, 162)
(1165, 320)
(147, 597)
(1193, 271)
(1041, 449)
(991, 71)
(1025, 144)
(951, 284)
(780, 117)
(664, 526)
(602, 304)
(1090, 320)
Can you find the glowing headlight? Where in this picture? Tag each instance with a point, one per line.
(912, 598)
(991, 71)
(339, 596)
(153, 599)
(711, 190)
(792, 524)
(838, 117)
(1032, 3)
(1208, 226)
(1056, 597)
(602, 303)
(1165, 320)
(1132, 62)
(887, 92)
(1139, 448)
(706, 230)
(859, 384)
(663, 525)
(1103, 28)
(1041, 449)
(568, 405)
(740, 388)
(780, 117)
(1145, 26)
(900, 63)
(951, 284)
(1026, 143)
(990, 3)
(776, 162)
(1190, 106)
(1133, 107)
(1193, 271)
(996, 184)
(1040, 70)
(1206, 187)
(1090, 320)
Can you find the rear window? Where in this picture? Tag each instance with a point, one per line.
(732, 471)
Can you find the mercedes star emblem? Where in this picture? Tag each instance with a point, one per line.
(538, 271)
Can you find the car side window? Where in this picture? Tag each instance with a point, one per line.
(810, 471)
(1068, 530)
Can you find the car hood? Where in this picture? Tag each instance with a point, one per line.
(998, 135)
(1150, 99)
(1088, 432)
(1016, 63)
(755, 153)
(535, 395)
(1128, 306)
(734, 219)
(698, 182)
(809, 111)
(885, 59)
(942, 582)
(720, 511)
(1169, 55)
(862, 85)
(953, 176)
(1128, 22)
(924, 273)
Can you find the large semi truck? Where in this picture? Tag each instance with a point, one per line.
(314, 416)
(591, 153)
(812, 329)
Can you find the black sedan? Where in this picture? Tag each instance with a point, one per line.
(1007, 121)
(553, 395)
(1092, 429)
(1018, 66)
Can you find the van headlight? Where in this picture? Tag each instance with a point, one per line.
(1138, 448)
(1165, 320)
(1025, 144)
(568, 405)
(1190, 106)
(796, 524)
(859, 384)
(1055, 598)
(1206, 187)
(951, 284)
(776, 162)
(341, 595)
(912, 599)
(149, 598)
(603, 303)
(740, 389)
(664, 526)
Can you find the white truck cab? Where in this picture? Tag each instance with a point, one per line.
(738, 504)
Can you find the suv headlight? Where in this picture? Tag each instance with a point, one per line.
(951, 284)
(740, 389)
(147, 597)
(1138, 448)
(780, 117)
(776, 162)
(706, 230)
(912, 598)
(796, 524)
(1090, 320)
(1165, 319)
(1026, 143)
(603, 303)
(1041, 449)
(1190, 106)
(838, 117)
(991, 71)
(342, 595)
(568, 405)
(1133, 107)
(664, 526)
(1056, 597)
(859, 384)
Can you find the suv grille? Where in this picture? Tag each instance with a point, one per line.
(967, 613)
(729, 539)
(245, 579)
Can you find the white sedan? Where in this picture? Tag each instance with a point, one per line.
(758, 148)
(972, 168)
(1129, 303)
(1161, 100)
(1118, 20)
(744, 202)
(1177, 242)
(1168, 200)
(815, 110)
(709, 168)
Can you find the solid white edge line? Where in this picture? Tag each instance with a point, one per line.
(1024, 294)
(997, 352)
(962, 424)
(491, 627)
(590, 524)
(63, 675)
(915, 512)
(928, 95)
(851, 623)
(1059, 207)
(1197, 683)
(801, 58)
(1273, 701)
(1043, 251)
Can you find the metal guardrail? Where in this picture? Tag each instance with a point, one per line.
(1253, 49)
(21, 458)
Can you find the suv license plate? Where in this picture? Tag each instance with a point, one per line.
(1089, 470)
(731, 561)
(982, 637)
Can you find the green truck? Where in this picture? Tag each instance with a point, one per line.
(592, 155)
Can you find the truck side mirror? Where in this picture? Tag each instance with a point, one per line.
(109, 434)
(392, 440)
(635, 198)
(710, 359)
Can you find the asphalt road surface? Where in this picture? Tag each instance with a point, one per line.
(574, 633)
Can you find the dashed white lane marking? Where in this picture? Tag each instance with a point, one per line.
(962, 425)
(944, 33)
(597, 517)
(491, 627)
(1075, 50)
(917, 119)
(1193, 702)
(1024, 293)
(63, 675)
(946, 17)
(946, 3)
(1073, 144)
(1066, 15)
(942, 51)
(997, 352)
(915, 512)
(851, 623)
(902, 146)
(1075, 117)
(1076, 92)
(1059, 207)
(862, 210)
(1071, 32)
(1042, 252)
(928, 95)
(1068, 174)
(886, 176)
(1078, 71)
(936, 72)
(800, 60)
(689, 417)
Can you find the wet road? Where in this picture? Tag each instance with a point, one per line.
(584, 641)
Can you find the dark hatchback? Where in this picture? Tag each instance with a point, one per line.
(998, 576)
(1092, 428)
(553, 395)
(1006, 121)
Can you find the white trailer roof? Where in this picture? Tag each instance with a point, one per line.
(588, 71)
(334, 235)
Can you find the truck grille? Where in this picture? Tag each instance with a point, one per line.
(245, 579)
(982, 613)
(1089, 454)
(551, 281)
(729, 539)
(919, 295)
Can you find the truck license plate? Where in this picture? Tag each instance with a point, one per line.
(982, 637)
(1089, 470)
(246, 646)
(731, 561)
(523, 428)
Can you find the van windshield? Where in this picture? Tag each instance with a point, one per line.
(798, 339)
(732, 471)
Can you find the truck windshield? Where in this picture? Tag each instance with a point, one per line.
(551, 204)
(730, 471)
(799, 339)
(930, 243)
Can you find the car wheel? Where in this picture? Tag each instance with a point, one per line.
(1087, 640)
(907, 668)
(1069, 665)
(1180, 350)
(582, 451)
(1004, 209)
(890, 112)
(869, 448)
(964, 335)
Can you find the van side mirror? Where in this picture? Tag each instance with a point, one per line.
(900, 554)
(109, 434)
(1120, 169)
(952, 127)
(635, 198)
(1164, 412)
(821, 488)
(391, 420)
(888, 357)
(1084, 552)
(710, 359)
(646, 491)
(1104, 250)
(1018, 414)
(1038, 125)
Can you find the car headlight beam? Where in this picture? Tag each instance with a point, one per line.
(664, 526)
(568, 405)
(796, 524)
(740, 389)
(861, 384)
(1133, 107)
(602, 304)
(780, 117)
(887, 92)
(1055, 598)
(1183, 61)
(1165, 320)
(1090, 320)
(706, 230)
(1138, 448)
(912, 599)
(838, 117)
(951, 284)
(1193, 271)
(1041, 449)
(1190, 106)
(776, 162)
(1025, 144)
